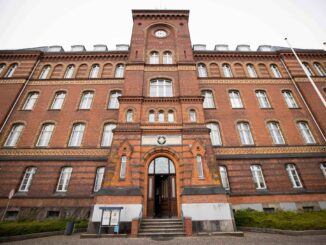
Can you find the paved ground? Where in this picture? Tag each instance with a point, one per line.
(249, 238)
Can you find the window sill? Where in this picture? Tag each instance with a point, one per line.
(266, 108)
(238, 108)
(54, 109)
(294, 108)
(210, 108)
(84, 109)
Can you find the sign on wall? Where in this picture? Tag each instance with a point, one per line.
(106, 217)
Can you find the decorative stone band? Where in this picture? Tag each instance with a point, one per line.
(129, 211)
(161, 68)
(245, 81)
(161, 140)
(306, 80)
(76, 82)
(11, 81)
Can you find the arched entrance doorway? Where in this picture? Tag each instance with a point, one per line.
(161, 199)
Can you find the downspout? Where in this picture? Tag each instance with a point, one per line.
(20, 94)
(301, 96)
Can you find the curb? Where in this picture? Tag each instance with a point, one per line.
(83, 236)
(283, 232)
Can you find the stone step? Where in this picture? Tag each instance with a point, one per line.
(151, 234)
(161, 226)
(161, 229)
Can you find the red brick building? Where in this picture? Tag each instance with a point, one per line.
(162, 128)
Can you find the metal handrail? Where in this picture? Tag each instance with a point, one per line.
(140, 217)
(183, 220)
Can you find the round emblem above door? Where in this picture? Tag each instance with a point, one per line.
(161, 140)
(160, 33)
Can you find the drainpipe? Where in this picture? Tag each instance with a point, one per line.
(20, 94)
(303, 99)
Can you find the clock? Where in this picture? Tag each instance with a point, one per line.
(160, 33)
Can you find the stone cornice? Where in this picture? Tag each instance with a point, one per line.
(304, 79)
(160, 14)
(174, 67)
(16, 54)
(200, 55)
(12, 81)
(75, 81)
(84, 56)
(244, 81)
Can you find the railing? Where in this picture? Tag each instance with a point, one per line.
(183, 220)
(140, 217)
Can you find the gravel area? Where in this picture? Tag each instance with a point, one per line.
(249, 238)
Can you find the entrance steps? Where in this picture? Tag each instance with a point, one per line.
(161, 228)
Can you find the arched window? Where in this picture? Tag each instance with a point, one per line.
(167, 57)
(275, 71)
(224, 178)
(114, 102)
(289, 99)
(318, 68)
(161, 165)
(323, 168)
(119, 71)
(215, 134)
(251, 70)
(69, 71)
(262, 99)
(2, 67)
(86, 100)
(27, 179)
(200, 170)
(161, 88)
(14, 135)
(94, 71)
(258, 177)
(45, 135)
(202, 70)
(192, 115)
(306, 133)
(45, 72)
(98, 179)
(30, 101)
(151, 116)
(11, 71)
(130, 116)
(107, 135)
(235, 99)
(227, 70)
(123, 167)
(161, 116)
(293, 176)
(208, 99)
(275, 132)
(170, 116)
(154, 58)
(245, 133)
(58, 99)
(64, 179)
(307, 69)
(76, 135)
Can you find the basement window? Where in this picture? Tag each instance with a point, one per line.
(269, 210)
(11, 215)
(53, 214)
(308, 208)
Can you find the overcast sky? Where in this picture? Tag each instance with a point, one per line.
(33, 23)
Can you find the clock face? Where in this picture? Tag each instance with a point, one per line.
(160, 33)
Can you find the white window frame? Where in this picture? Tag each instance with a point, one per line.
(258, 177)
(151, 116)
(64, 179)
(170, 116)
(154, 58)
(245, 133)
(323, 168)
(276, 72)
(119, 71)
(11, 71)
(94, 71)
(58, 100)
(69, 72)
(167, 58)
(224, 177)
(276, 133)
(215, 134)
(289, 99)
(307, 69)
(227, 70)
(86, 100)
(98, 179)
(130, 115)
(114, 101)
(200, 170)
(161, 88)
(318, 67)
(76, 136)
(192, 115)
(107, 135)
(45, 135)
(251, 71)
(161, 116)
(293, 176)
(123, 167)
(208, 99)
(45, 72)
(202, 70)
(306, 132)
(14, 135)
(2, 68)
(27, 179)
(30, 101)
(235, 99)
(262, 99)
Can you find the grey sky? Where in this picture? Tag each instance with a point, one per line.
(32, 23)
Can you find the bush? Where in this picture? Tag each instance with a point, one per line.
(14, 228)
(282, 220)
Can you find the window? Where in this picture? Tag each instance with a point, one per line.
(86, 100)
(107, 135)
(215, 134)
(290, 101)
(151, 116)
(98, 179)
(293, 175)
(76, 135)
(319, 69)
(94, 71)
(227, 70)
(202, 70)
(11, 215)
(154, 58)
(57, 103)
(161, 88)
(161, 116)
(119, 71)
(53, 214)
(114, 102)
(275, 132)
(224, 177)
(45, 72)
(70, 71)
(306, 133)
(2, 67)
(258, 177)
(208, 99)
(167, 58)
(170, 116)
(130, 116)
(307, 69)
(235, 99)
(123, 167)
(11, 71)
(275, 71)
(192, 115)
(200, 167)
(14, 134)
(262, 99)
(64, 179)
(45, 135)
(251, 70)
(27, 179)
(323, 168)
(30, 101)
(245, 133)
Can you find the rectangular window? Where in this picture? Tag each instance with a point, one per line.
(262, 99)
(27, 179)
(53, 214)
(123, 167)
(114, 102)
(235, 99)
(14, 135)
(208, 99)
(58, 101)
(200, 167)
(107, 135)
(98, 179)
(30, 101)
(258, 177)
(293, 175)
(289, 99)
(224, 177)
(170, 117)
(275, 132)
(64, 179)
(323, 168)
(45, 135)
(245, 134)
(86, 100)
(76, 135)
(306, 133)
